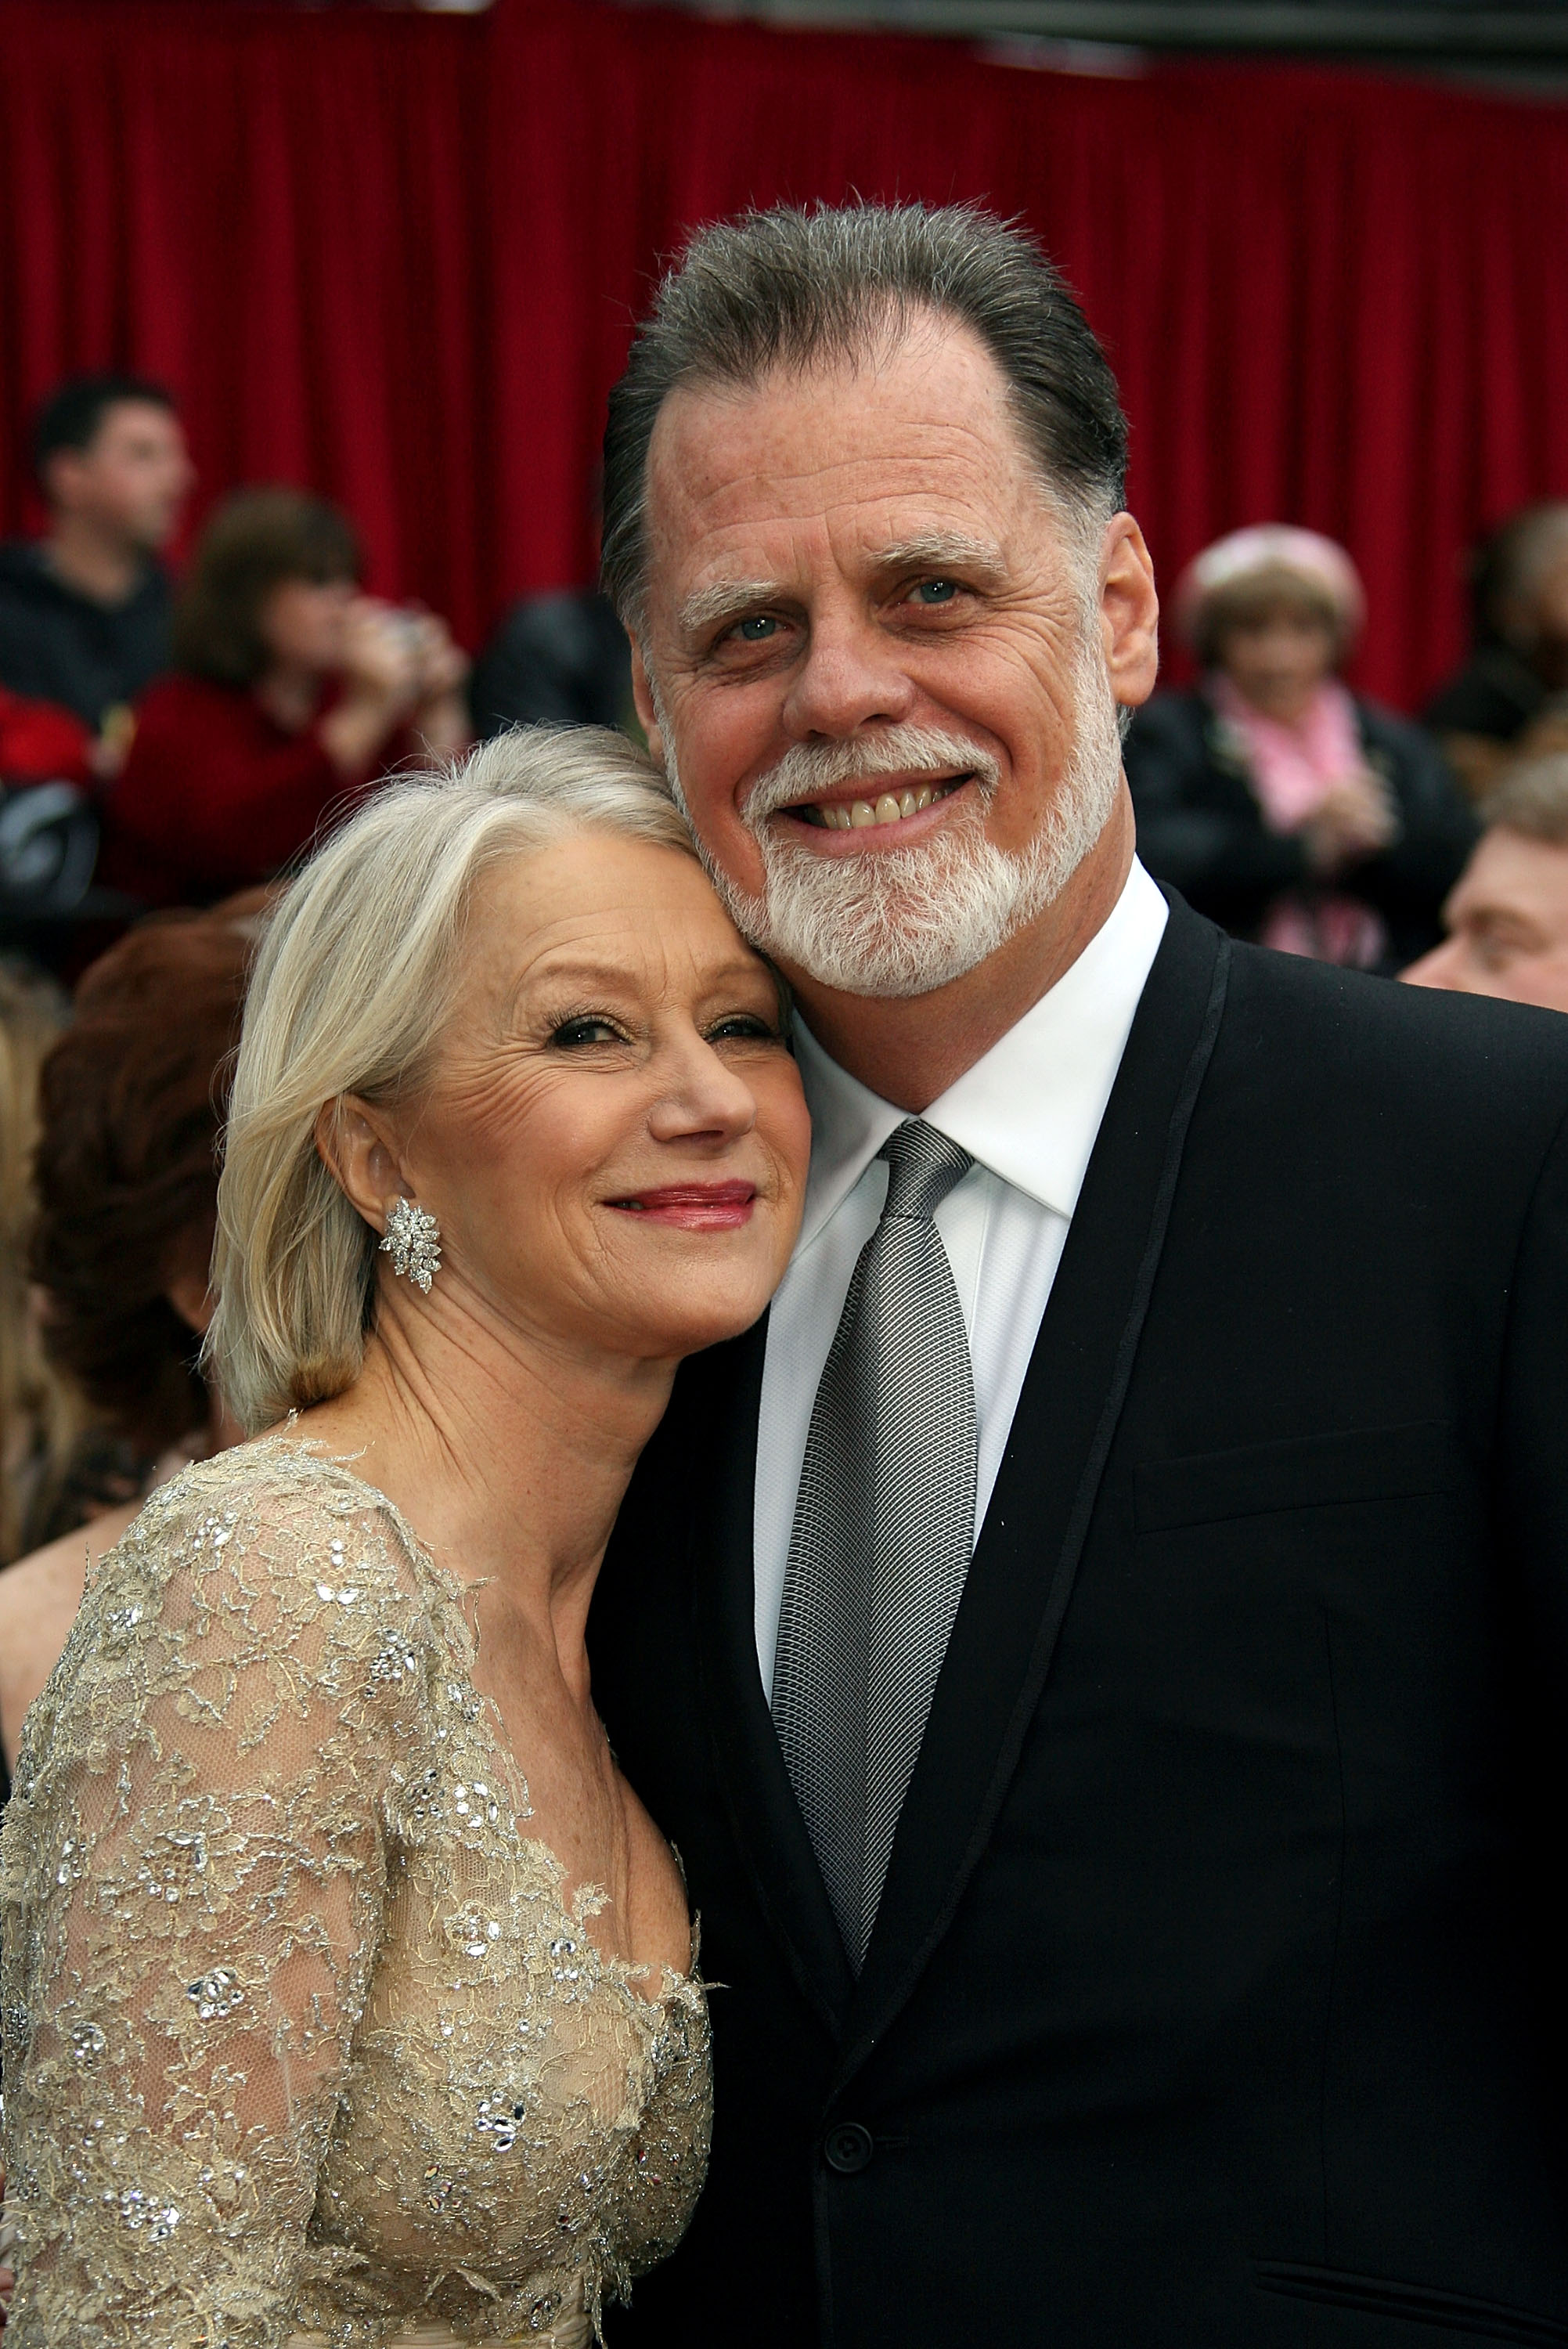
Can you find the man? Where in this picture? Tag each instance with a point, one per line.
(84, 611)
(1507, 917)
(1100, 1646)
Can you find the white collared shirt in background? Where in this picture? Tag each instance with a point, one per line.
(1028, 1115)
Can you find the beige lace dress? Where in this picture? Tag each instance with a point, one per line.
(303, 2039)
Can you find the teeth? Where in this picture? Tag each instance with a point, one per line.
(892, 807)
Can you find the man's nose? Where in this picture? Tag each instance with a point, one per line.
(851, 677)
(1442, 967)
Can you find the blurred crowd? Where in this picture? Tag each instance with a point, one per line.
(168, 748)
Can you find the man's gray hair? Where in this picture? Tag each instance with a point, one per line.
(789, 288)
(1532, 798)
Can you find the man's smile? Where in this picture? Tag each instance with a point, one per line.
(875, 802)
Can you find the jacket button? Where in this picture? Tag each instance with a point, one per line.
(847, 2147)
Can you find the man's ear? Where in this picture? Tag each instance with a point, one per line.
(643, 701)
(59, 478)
(358, 1146)
(1129, 613)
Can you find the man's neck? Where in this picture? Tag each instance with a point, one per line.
(99, 565)
(910, 1048)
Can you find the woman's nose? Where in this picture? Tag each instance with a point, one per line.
(702, 1096)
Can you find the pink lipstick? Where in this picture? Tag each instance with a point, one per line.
(694, 1206)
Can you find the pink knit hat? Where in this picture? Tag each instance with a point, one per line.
(1272, 546)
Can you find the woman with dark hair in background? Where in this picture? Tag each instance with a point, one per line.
(292, 692)
(131, 1101)
(1510, 701)
(40, 1412)
(1279, 804)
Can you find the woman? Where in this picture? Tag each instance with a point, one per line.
(350, 1987)
(1287, 809)
(126, 1172)
(1508, 702)
(40, 1413)
(293, 692)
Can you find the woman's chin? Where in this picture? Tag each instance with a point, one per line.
(671, 1328)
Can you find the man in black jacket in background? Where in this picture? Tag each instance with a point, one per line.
(85, 611)
(1143, 1933)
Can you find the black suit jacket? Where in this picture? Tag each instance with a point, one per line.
(1214, 1998)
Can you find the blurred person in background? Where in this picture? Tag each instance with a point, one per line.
(40, 1414)
(1508, 918)
(85, 610)
(292, 691)
(1285, 808)
(557, 659)
(1510, 700)
(131, 1103)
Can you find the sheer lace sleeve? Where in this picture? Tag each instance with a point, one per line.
(193, 1881)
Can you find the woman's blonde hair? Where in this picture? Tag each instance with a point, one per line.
(352, 988)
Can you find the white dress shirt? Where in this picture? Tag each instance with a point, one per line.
(1028, 1115)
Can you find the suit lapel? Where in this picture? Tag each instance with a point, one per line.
(764, 1816)
(1021, 1579)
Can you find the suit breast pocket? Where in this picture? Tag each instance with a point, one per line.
(1299, 1475)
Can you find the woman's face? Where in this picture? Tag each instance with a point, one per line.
(1279, 658)
(303, 624)
(616, 1141)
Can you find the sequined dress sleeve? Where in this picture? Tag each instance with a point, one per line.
(301, 2031)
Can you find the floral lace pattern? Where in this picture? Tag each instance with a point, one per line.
(300, 2029)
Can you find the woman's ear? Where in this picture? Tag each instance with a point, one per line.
(358, 1146)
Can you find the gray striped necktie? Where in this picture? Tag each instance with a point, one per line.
(884, 1525)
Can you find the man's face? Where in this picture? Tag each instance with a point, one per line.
(133, 477)
(859, 566)
(1508, 925)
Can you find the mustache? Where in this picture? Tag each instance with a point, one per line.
(810, 768)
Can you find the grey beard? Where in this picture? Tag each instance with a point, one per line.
(905, 921)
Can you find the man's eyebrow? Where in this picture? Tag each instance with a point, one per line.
(726, 601)
(941, 550)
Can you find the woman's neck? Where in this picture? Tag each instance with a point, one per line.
(508, 1454)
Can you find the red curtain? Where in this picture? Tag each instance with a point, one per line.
(396, 257)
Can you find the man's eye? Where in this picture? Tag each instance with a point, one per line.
(756, 628)
(587, 1028)
(936, 591)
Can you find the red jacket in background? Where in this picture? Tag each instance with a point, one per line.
(42, 743)
(215, 796)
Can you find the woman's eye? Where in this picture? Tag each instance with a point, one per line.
(588, 1028)
(749, 1026)
(936, 591)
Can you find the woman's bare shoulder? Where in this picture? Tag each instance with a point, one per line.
(39, 1596)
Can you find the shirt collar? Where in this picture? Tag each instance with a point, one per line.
(1030, 1108)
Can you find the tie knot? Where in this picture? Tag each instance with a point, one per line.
(922, 1167)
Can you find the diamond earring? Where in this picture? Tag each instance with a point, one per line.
(413, 1242)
